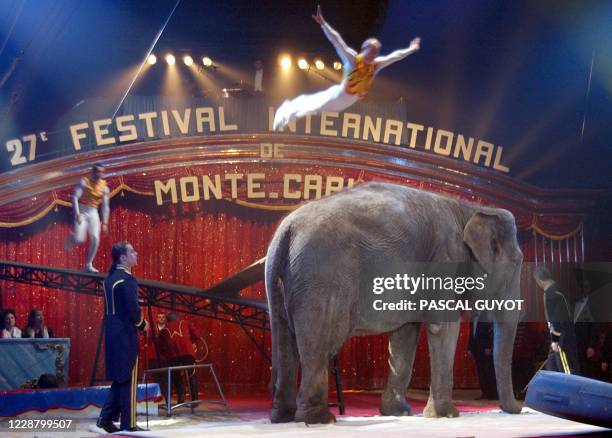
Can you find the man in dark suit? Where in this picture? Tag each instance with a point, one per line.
(480, 346)
(123, 319)
(563, 355)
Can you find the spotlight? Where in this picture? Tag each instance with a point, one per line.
(188, 60)
(207, 61)
(151, 59)
(302, 64)
(170, 59)
(319, 64)
(285, 62)
(337, 65)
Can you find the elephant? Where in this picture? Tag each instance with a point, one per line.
(316, 290)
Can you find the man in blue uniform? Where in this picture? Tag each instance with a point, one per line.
(122, 320)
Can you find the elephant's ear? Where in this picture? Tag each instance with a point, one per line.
(480, 234)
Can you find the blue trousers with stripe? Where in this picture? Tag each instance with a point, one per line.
(121, 401)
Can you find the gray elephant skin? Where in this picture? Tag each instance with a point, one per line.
(319, 296)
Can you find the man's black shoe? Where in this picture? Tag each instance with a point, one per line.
(108, 426)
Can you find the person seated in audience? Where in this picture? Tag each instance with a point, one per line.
(9, 329)
(606, 355)
(36, 326)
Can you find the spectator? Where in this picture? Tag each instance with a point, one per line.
(9, 329)
(606, 356)
(36, 326)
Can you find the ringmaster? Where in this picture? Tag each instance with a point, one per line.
(123, 318)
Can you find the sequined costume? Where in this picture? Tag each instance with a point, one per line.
(357, 80)
(87, 198)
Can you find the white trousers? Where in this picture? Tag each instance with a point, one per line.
(335, 99)
(89, 226)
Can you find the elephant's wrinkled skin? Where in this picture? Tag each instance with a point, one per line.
(316, 291)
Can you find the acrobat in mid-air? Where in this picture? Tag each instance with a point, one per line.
(89, 194)
(359, 71)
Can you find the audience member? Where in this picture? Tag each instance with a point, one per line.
(36, 326)
(9, 329)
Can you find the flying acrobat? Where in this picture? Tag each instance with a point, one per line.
(359, 71)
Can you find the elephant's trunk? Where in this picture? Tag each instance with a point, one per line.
(504, 331)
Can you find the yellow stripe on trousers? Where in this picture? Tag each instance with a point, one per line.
(133, 394)
(566, 368)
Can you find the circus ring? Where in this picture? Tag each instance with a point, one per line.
(199, 209)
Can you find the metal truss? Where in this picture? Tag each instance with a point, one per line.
(213, 303)
(194, 301)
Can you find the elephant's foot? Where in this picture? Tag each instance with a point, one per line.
(440, 409)
(394, 406)
(511, 407)
(282, 412)
(315, 415)
(282, 415)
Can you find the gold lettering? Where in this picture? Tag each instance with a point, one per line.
(287, 193)
(326, 124)
(252, 185)
(76, 136)
(161, 188)
(193, 181)
(351, 121)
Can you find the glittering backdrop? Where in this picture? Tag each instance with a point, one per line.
(197, 244)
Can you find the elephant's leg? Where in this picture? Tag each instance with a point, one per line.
(320, 332)
(284, 374)
(313, 393)
(402, 349)
(442, 339)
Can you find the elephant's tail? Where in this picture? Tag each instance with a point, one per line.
(275, 265)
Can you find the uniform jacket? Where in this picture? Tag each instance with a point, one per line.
(123, 318)
(558, 313)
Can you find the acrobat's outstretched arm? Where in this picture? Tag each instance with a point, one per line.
(346, 54)
(387, 60)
